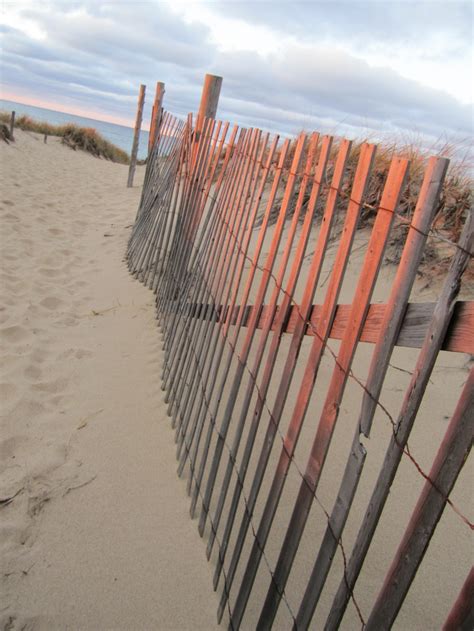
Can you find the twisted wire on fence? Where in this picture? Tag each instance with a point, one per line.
(190, 244)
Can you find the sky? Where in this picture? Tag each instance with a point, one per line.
(377, 68)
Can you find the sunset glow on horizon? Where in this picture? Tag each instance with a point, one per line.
(72, 109)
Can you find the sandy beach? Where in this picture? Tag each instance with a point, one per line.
(95, 527)
(95, 532)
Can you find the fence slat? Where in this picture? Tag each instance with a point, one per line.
(461, 616)
(136, 136)
(449, 461)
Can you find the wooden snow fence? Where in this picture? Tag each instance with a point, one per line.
(246, 240)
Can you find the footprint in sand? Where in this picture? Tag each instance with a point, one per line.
(52, 303)
(10, 217)
(10, 257)
(7, 202)
(55, 386)
(55, 231)
(14, 334)
(32, 372)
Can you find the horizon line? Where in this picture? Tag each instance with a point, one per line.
(90, 115)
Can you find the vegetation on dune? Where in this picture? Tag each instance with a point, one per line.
(75, 137)
(453, 206)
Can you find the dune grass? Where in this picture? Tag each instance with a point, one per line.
(453, 207)
(84, 138)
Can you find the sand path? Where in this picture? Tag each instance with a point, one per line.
(95, 532)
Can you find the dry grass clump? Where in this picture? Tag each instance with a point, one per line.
(453, 206)
(85, 138)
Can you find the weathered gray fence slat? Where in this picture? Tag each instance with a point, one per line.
(262, 341)
(313, 276)
(242, 359)
(414, 395)
(12, 124)
(451, 456)
(368, 276)
(200, 414)
(136, 136)
(461, 616)
(389, 329)
(350, 223)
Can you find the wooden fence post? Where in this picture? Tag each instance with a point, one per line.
(156, 114)
(209, 99)
(12, 124)
(136, 135)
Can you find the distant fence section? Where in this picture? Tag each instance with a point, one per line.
(237, 233)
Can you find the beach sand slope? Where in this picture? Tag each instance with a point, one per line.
(95, 532)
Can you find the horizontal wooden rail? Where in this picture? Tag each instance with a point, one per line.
(459, 338)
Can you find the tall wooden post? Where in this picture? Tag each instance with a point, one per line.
(209, 100)
(136, 135)
(12, 124)
(156, 115)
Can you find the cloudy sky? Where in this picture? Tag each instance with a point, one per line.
(353, 67)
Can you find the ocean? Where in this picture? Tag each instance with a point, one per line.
(117, 134)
